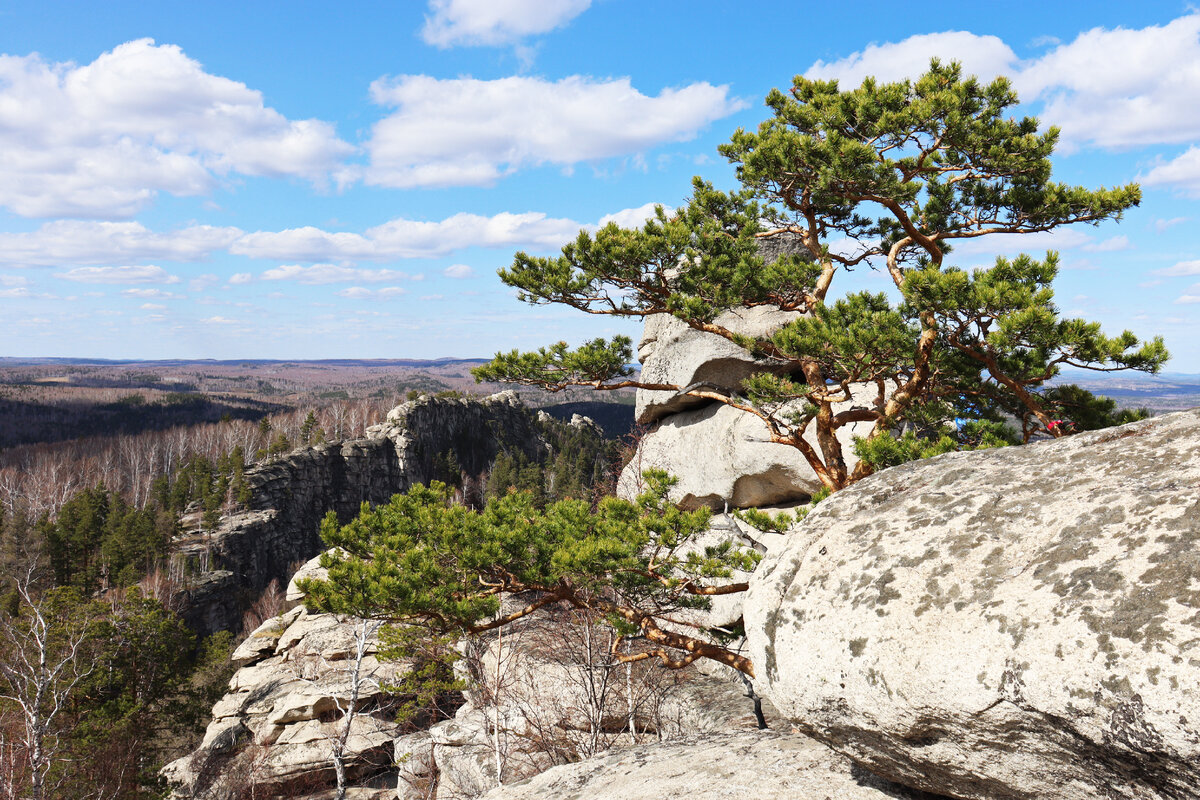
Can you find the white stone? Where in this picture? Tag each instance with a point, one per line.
(1021, 622)
(722, 455)
(762, 765)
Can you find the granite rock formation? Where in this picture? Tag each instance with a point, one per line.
(1012, 623)
(724, 457)
(281, 527)
(764, 765)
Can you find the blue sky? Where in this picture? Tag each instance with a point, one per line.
(304, 180)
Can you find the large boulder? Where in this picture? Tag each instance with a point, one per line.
(1014, 623)
(723, 456)
(675, 353)
(672, 352)
(761, 764)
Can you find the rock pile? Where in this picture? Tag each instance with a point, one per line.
(1012, 623)
(721, 456)
(278, 726)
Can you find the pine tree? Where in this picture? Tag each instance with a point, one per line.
(894, 174)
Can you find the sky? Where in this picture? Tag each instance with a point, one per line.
(306, 180)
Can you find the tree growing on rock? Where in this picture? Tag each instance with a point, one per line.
(889, 175)
(424, 562)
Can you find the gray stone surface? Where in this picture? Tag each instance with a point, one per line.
(275, 724)
(724, 456)
(281, 529)
(1013, 623)
(763, 765)
(674, 353)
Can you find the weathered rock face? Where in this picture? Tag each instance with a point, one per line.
(725, 456)
(672, 352)
(292, 495)
(1015, 623)
(540, 699)
(760, 764)
(675, 353)
(277, 725)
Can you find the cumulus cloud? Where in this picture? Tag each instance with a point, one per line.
(1111, 245)
(156, 294)
(66, 242)
(406, 238)
(363, 293)
(985, 56)
(131, 274)
(467, 132)
(1112, 88)
(458, 271)
(13, 280)
(1161, 225)
(331, 273)
(633, 217)
(17, 292)
(102, 139)
(240, 278)
(495, 22)
(1035, 244)
(1122, 87)
(219, 321)
(1181, 268)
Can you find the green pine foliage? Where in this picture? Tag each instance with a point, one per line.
(894, 174)
(423, 561)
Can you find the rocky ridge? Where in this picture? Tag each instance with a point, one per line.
(280, 529)
(1013, 623)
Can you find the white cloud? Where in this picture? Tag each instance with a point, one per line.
(240, 278)
(458, 271)
(467, 132)
(985, 56)
(633, 217)
(1112, 88)
(406, 238)
(1122, 87)
(1182, 171)
(331, 273)
(152, 306)
(1111, 245)
(363, 293)
(1182, 268)
(1187, 299)
(203, 282)
(154, 294)
(13, 280)
(102, 139)
(220, 321)
(131, 274)
(1036, 244)
(495, 22)
(64, 242)
(17, 292)
(1161, 225)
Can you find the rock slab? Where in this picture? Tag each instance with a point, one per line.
(763, 765)
(1014, 623)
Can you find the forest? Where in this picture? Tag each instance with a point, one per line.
(100, 681)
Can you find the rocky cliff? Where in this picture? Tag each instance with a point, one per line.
(1012, 623)
(280, 529)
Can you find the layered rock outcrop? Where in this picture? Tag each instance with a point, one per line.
(722, 456)
(764, 765)
(280, 529)
(1013, 623)
(282, 721)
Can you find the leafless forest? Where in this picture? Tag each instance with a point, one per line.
(65, 426)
